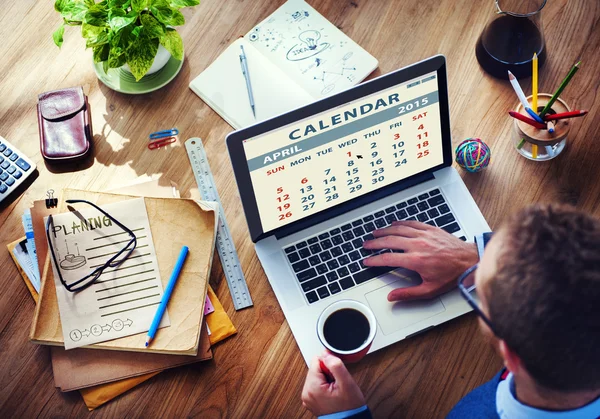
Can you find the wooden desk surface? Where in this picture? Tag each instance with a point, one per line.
(260, 372)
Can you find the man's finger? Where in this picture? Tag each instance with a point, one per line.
(396, 260)
(400, 230)
(314, 372)
(337, 368)
(387, 242)
(420, 292)
(417, 225)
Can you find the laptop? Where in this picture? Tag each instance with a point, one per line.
(317, 181)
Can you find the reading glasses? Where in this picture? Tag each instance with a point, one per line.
(113, 262)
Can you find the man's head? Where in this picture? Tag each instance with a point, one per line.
(539, 283)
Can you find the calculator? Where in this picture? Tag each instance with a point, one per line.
(15, 167)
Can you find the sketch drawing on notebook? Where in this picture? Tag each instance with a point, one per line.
(123, 299)
(295, 56)
(302, 42)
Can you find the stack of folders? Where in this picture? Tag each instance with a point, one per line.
(194, 320)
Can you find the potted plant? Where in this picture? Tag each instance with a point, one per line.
(126, 31)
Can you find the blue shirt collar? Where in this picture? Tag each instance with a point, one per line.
(508, 407)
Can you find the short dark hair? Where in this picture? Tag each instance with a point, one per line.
(545, 297)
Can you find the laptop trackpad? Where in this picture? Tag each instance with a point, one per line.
(395, 316)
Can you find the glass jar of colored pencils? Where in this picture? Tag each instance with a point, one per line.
(546, 141)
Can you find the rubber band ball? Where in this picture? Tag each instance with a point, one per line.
(473, 155)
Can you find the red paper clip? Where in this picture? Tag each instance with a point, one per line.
(161, 142)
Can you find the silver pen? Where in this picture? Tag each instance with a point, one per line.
(244, 64)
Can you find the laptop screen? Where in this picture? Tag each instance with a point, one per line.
(332, 157)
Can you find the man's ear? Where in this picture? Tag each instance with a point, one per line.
(511, 360)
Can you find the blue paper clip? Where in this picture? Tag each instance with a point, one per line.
(164, 134)
(161, 142)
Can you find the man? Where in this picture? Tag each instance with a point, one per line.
(538, 285)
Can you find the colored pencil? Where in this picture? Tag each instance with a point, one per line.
(534, 151)
(517, 87)
(160, 311)
(550, 127)
(521, 144)
(527, 120)
(534, 84)
(534, 115)
(565, 115)
(560, 89)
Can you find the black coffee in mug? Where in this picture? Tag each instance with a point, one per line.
(346, 329)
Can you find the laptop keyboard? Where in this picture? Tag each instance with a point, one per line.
(332, 262)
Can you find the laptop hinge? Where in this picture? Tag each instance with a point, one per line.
(351, 205)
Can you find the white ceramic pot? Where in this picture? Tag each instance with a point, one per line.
(161, 59)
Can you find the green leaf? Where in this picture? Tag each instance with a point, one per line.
(173, 43)
(96, 16)
(105, 66)
(123, 38)
(152, 27)
(113, 4)
(165, 14)
(139, 5)
(71, 10)
(101, 53)
(140, 55)
(184, 3)
(94, 35)
(60, 5)
(58, 35)
(89, 3)
(117, 18)
(116, 57)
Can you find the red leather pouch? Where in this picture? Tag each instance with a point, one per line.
(64, 124)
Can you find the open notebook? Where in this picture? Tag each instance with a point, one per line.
(294, 57)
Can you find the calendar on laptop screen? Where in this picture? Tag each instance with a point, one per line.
(333, 157)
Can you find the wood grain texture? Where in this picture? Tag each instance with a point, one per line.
(260, 373)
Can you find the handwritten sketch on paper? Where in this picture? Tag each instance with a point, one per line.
(309, 48)
(123, 300)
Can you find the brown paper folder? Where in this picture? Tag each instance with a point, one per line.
(80, 368)
(174, 223)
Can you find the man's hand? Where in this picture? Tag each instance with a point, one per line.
(322, 397)
(434, 254)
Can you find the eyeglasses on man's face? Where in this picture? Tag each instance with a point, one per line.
(466, 285)
(113, 262)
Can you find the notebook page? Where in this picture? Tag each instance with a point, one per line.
(311, 50)
(223, 87)
(124, 299)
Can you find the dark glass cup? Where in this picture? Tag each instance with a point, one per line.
(511, 37)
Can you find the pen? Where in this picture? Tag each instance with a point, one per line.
(167, 294)
(246, 72)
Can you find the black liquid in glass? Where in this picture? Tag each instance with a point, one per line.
(508, 43)
(346, 329)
